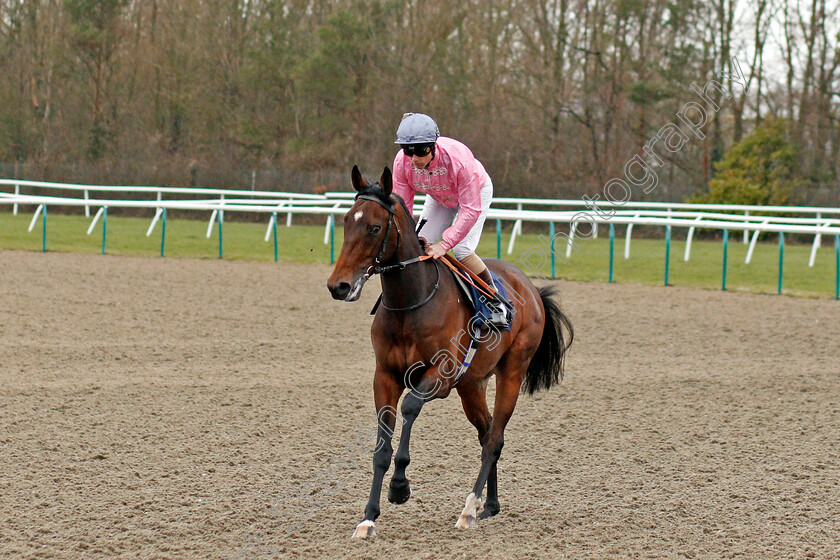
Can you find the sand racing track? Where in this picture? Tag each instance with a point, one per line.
(157, 408)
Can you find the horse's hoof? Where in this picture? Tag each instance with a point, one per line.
(467, 518)
(488, 511)
(364, 530)
(466, 522)
(399, 494)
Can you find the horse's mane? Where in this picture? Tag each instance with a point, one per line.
(407, 213)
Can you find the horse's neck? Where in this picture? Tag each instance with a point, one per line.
(412, 284)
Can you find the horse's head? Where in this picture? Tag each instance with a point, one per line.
(371, 236)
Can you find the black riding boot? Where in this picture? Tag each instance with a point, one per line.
(485, 275)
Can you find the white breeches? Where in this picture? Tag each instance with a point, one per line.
(440, 217)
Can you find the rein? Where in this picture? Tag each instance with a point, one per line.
(428, 297)
(470, 277)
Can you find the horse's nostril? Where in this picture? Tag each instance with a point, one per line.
(340, 290)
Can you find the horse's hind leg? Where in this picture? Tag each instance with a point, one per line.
(400, 490)
(474, 401)
(507, 391)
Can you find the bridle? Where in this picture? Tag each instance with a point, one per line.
(377, 268)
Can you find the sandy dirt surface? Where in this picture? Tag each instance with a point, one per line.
(157, 408)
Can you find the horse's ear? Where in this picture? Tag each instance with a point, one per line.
(386, 182)
(356, 178)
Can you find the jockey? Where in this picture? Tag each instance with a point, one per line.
(458, 194)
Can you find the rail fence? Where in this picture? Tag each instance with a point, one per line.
(749, 220)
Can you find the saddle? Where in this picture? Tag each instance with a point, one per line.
(489, 312)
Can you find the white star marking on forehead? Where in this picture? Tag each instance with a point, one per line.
(358, 215)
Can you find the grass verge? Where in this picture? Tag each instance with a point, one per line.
(590, 262)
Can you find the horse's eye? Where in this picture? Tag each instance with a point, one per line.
(375, 229)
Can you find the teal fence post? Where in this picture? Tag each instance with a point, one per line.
(667, 251)
(725, 247)
(163, 233)
(498, 238)
(612, 249)
(781, 257)
(275, 236)
(837, 267)
(104, 227)
(551, 234)
(220, 233)
(44, 231)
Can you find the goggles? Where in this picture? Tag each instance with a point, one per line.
(419, 150)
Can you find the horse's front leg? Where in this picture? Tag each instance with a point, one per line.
(386, 394)
(400, 490)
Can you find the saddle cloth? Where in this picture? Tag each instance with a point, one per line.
(478, 301)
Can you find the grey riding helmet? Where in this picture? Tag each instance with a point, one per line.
(417, 128)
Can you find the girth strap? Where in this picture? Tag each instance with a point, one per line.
(465, 364)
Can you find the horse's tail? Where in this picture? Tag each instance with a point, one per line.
(546, 367)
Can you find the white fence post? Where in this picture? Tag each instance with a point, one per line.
(330, 221)
(273, 220)
(746, 221)
(158, 213)
(627, 240)
(752, 243)
(270, 224)
(817, 244)
(96, 219)
(35, 217)
(212, 221)
(688, 237)
(517, 229)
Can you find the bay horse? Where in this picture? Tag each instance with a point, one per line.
(422, 328)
